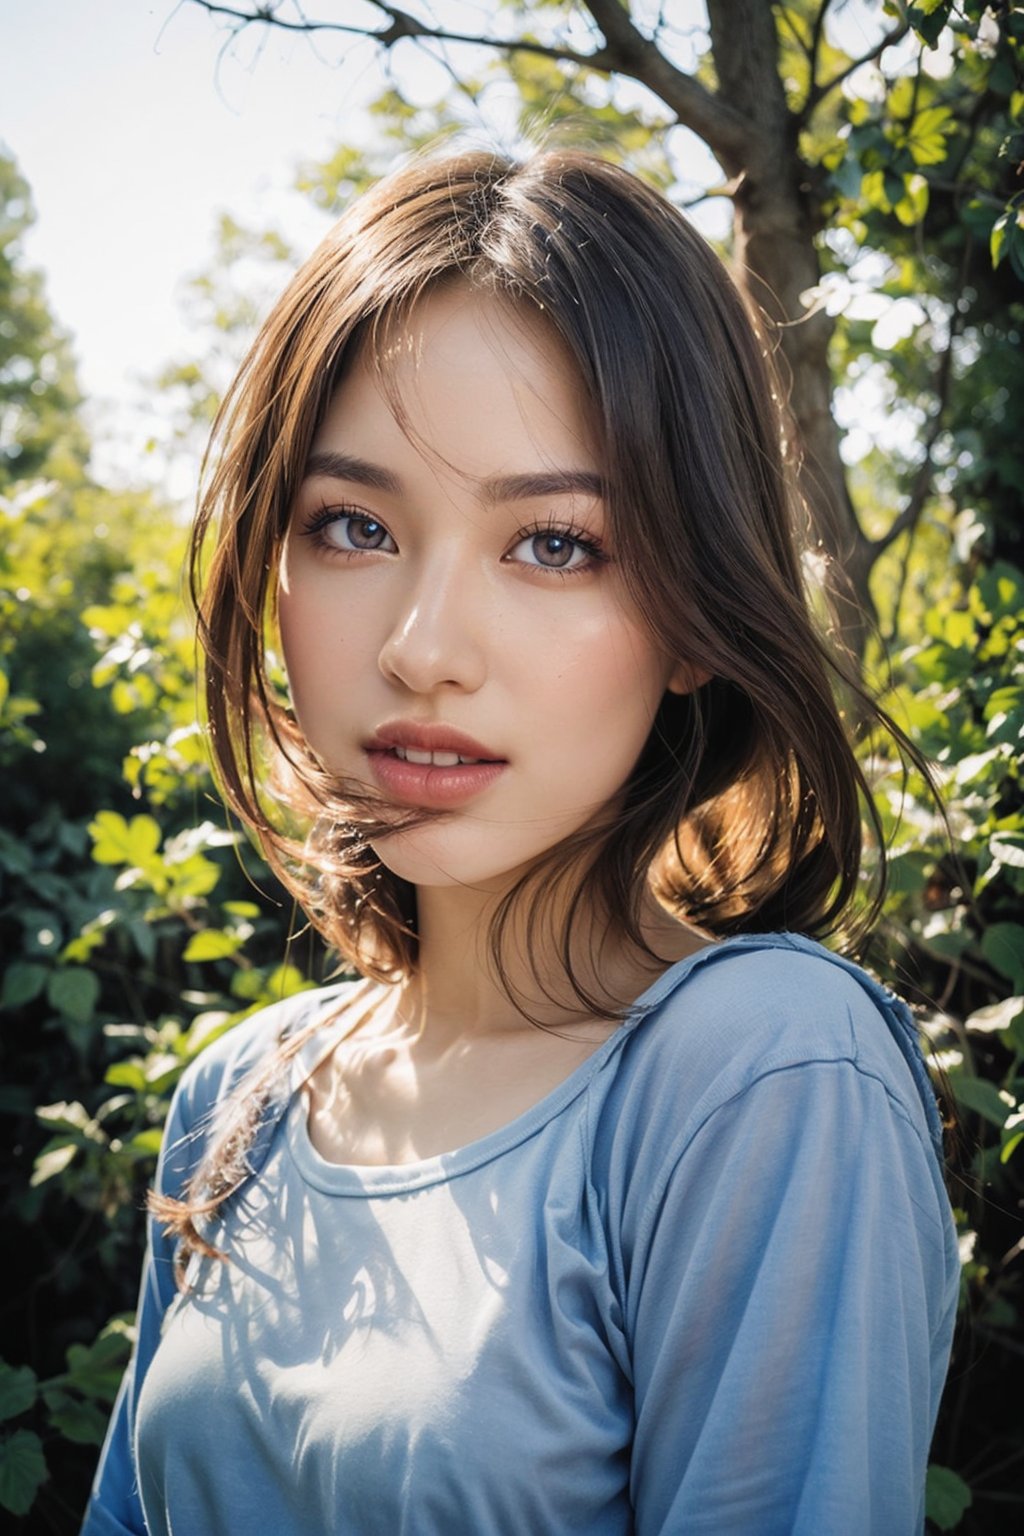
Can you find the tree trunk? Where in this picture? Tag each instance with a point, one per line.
(775, 222)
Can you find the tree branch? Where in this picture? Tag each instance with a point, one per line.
(402, 25)
(626, 52)
(723, 128)
(787, 21)
(817, 33)
(818, 93)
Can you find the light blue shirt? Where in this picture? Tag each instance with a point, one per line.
(706, 1285)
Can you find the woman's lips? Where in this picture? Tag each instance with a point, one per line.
(435, 786)
(431, 764)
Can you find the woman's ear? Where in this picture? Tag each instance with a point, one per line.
(687, 677)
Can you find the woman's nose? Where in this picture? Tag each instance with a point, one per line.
(435, 640)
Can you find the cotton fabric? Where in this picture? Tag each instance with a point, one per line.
(707, 1284)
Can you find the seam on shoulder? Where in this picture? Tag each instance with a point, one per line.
(685, 1139)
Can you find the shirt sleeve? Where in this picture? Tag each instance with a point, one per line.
(114, 1508)
(788, 1301)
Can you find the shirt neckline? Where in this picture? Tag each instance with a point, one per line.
(374, 1179)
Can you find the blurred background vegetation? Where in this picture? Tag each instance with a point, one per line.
(136, 924)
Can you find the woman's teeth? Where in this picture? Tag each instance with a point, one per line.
(435, 759)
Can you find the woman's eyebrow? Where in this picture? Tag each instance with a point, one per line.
(345, 466)
(555, 482)
(522, 487)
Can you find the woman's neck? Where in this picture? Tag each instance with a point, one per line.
(457, 993)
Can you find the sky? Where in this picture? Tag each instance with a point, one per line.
(135, 122)
(134, 127)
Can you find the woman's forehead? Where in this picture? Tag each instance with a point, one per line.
(473, 378)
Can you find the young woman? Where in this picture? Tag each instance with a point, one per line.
(606, 1200)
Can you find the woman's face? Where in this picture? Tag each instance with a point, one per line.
(448, 591)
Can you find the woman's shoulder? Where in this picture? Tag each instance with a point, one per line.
(246, 1046)
(774, 998)
(761, 1047)
(746, 1009)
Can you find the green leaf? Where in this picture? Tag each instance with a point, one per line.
(983, 1097)
(211, 944)
(51, 1162)
(22, 982)
(96, 1369)
(196, 877)
(76, 1420)
(1009, 1148)
(1002, 944)
(958, 629)
(74, 992)
(285, 981)
(946, 1497)
(17, 1389)
(949, 945)
(14, 856)
(928, 17)
(1000, 590)
(978, 217)
(117, 841)
(926, 136)
(22, 1470)
(997, 1016)
(145, 1143)
(126, 1074)
(162, 1070)
(1015, 1035)
(80, 948)
(65, 1116)
(913, 205)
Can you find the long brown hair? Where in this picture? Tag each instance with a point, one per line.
(745, 807)
(749, 783)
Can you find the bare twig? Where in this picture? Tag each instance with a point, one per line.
(402, 26)
(817, 33)
(626, 51)
(818, 93)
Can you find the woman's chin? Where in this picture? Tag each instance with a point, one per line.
(431, 857)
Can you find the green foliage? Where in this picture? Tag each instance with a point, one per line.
(921, 164)
(954, 930)
(947, 1496)
(74, 1404)
(126, 921)
(22, 1470)
(39, 396)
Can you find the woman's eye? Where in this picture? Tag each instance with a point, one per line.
(350, 531)
(554, 551)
